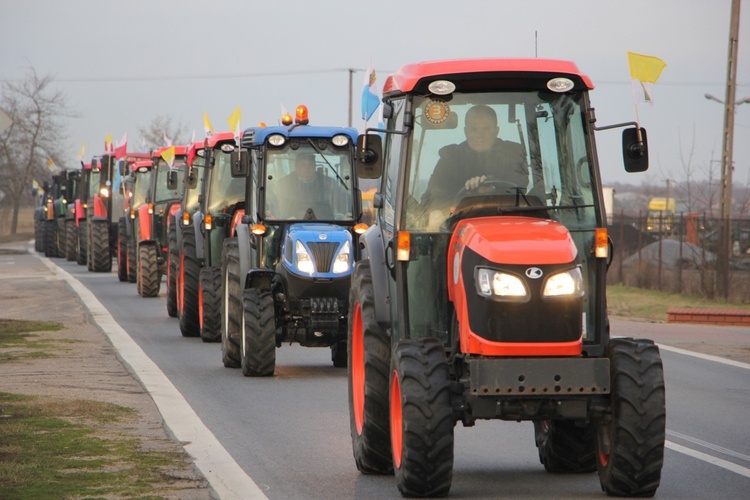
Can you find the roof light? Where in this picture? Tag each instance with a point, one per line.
(262, 124)
(560, 84)
(286, 119)
(441, 87)
(276, 140)
(301, 117)
(340, 140)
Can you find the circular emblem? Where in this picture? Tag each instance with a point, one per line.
(534, 273)
(437, 112)
(322, 236)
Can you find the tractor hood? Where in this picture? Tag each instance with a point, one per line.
(517, 240)
(318, 250)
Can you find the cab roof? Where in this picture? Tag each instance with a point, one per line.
(217, 137)
(407, 78)
(254, 136)
(178, 151)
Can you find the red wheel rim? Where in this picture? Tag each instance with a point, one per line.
(358, 369)
(397, 427)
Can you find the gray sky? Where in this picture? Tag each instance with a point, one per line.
(121, 63)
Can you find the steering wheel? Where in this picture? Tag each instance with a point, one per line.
(584, 160)
(490, 185)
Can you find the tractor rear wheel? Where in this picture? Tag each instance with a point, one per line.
(149, 279)
(122, 251)
(258, 333)
(209, 298)
(231, 304)
(50, 238)
(630, 446)
(82, 242)
(172, 259)
(100, 259)
(369, 359)
(70, 240)
(189, 280)
(132, 260)
(565, 447)
(421, 418)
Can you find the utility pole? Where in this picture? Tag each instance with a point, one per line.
(725, 203)
(351, 96)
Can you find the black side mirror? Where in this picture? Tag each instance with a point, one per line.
(369, 156)
(172, 180)
(240, 163)
(192, 179)
(635, 150)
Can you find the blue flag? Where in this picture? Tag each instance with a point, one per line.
(370, 101)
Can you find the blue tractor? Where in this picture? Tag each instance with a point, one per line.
(286, 269)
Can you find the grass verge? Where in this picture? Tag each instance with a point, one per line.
(652, 305)
(16, 341)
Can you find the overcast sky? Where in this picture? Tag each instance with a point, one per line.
(122, 63)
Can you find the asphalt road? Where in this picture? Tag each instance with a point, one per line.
(290, 433)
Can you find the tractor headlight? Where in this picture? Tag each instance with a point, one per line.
(341, 263)
(566, 284)
(496, 284)
(104, 192)
(304, 261)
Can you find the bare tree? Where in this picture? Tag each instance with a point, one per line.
(161, 127)
(36, 134)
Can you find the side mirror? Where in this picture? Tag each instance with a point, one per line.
(172, 180)
(192, 179)
(635, 150)
(240, 163)
(369, 156)
(94, 163)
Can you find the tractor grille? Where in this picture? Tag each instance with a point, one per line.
(322, 254)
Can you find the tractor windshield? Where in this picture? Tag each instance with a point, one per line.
(94, 177)
(140, 188)
(309, 183)
(163, 192)
(486, 154)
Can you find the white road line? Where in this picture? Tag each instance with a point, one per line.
(737, 469)
(707, 357)
(224, 475)
(710, 446)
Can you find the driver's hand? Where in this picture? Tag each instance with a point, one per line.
(474, 182)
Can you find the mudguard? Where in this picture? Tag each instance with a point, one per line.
(144, 223)
(100, 209)
(244, 239)
(373, 248)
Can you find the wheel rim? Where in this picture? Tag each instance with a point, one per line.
(358, 369)
(200, 306)
(180, 281)
(397, 437)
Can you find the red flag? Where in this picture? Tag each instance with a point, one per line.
(122, 147)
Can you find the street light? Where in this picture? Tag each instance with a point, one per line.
(725, 197)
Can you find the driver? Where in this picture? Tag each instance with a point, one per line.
(482, 156)
(305, 188)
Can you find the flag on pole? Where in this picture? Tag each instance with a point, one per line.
(167, 140)
(122, 147)
(370, 100)
(168, 156)
(108, 143)
(144, 147)
(207, 125)
(644, 70)
(234, 124)
(81, 151)
(50, 163)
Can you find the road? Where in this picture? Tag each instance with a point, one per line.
(290, 433)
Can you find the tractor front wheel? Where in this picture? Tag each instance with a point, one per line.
(209, 299)
(231, 304)
(630, 445)
(566, 447)
(258, 333)
(173, 257)
(421, 418)
(149, 279)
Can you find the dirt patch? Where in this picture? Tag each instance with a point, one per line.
(83, 366)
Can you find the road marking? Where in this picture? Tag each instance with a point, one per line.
(224, 475)
(710, 446)
(707, 357)
(737, 469)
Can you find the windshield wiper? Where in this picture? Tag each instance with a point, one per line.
(328, 163)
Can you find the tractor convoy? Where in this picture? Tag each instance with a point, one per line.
(453, 260)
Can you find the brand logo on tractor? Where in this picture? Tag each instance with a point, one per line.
(322, 236)
(534, 273)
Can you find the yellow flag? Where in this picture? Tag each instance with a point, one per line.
(644, 71)
(207, 125)
(168, 155)
(234, 122)
(108, 143)
(50, 163)
(82, 151)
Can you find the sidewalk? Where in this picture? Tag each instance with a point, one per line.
(83, 364)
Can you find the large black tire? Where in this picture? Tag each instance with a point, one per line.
(70, 239)
(122, 250)
(566, 447)
(81, 242)
(62, 236)
(369, 359)
(149, 278)
(38, 230)
(631, 464)
(132, 260)
(421, 418)
(173, 258)
(100, 257)
(209, 297)
(231, 304)
(189, 269)
(50, 238)
(258, 333)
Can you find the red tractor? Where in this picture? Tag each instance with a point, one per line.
(153, 217)
(481, 291)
